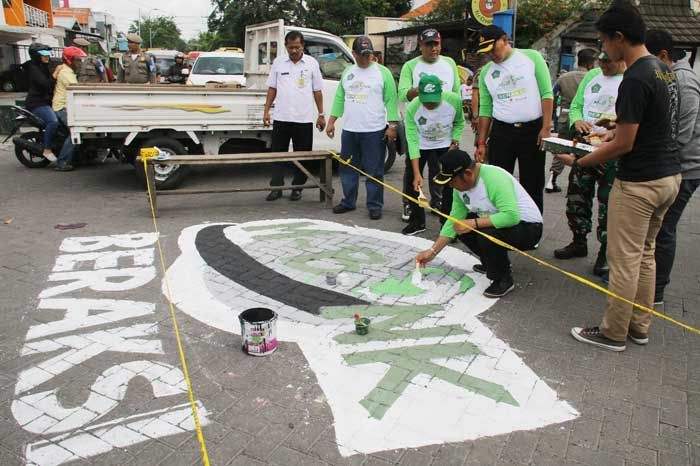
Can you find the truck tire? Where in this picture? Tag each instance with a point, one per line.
(167, 176)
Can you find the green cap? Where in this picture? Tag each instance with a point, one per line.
(430, 89)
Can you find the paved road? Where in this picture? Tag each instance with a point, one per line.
(90, 373)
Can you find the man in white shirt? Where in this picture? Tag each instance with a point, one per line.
(295, 82)
(366, 98)
(515, 93)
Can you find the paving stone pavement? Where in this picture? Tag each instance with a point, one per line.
(639, 407)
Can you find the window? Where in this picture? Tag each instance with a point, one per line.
(262, 54)
(331, 58)
(273, 51)
(218, 65)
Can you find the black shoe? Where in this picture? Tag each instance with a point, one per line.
(375, 214)
(638, 337)
(601, 263)
(554, 189)
(575, 249)
(479, 268)
(65, 167)
(605, 278)
(499, 288)
(274, 195)
(406, 213)
(593, 336)
(413, 229)
(659, 299)
(296, 195)
(341, 209)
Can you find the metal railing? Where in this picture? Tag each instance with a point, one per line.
(35, 17)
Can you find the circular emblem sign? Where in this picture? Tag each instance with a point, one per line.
(483, 10)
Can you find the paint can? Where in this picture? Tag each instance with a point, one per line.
(259, 331)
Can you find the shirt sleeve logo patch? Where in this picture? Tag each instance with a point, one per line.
(596, 88)
(422, 120)
(496, 74)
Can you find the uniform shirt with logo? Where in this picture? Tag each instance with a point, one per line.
(512, 91)
(91, 70)
(295, 84)
(137, 68)
(366, 98)
(444, 68)
(433, 129)
(595, 98)
(496, 195)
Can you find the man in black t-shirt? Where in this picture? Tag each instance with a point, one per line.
(647, 178)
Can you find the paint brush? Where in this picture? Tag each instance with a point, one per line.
(417, 276)
(422, 200)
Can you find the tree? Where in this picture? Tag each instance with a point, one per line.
(445, 10)
(204, 42)
(159, 32)
(341, 17)
(537, 17)
(230, 17)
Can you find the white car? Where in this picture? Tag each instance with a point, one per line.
(217, 67)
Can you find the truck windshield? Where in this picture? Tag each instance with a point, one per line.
(218, 65)
(164, 64)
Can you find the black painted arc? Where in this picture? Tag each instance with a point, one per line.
(231, 261)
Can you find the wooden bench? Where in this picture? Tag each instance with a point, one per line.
(324, 184)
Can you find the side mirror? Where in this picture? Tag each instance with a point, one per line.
(185, 71)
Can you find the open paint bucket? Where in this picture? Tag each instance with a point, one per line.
(259, 331)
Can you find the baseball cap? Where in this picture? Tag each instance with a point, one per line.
(488, 36)
(429, 35)
(430, 89)
(451, 163)
(44, 53)
(362, 45)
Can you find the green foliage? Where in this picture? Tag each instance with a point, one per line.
(538, 17)
(159, 32)
(341, 17)
(204, 42)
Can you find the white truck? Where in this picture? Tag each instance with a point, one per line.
(199, 119)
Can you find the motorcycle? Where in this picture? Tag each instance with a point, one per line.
(29, 146)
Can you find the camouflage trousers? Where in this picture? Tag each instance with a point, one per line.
(579, 199)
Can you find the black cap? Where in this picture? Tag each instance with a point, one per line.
(488, 36)
(451, 163)
(429, 35)
(362, 45)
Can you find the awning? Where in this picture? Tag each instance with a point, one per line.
(12, 34)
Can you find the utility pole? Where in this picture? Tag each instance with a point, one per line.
(139, 22)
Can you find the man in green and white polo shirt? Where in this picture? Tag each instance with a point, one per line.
(515, 92)
(489, 199)
(428, 62)
(595, 98)
(434, 124)
(366, 98)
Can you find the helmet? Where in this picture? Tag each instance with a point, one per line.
(70, 53)
(35, 48)
(180, 55)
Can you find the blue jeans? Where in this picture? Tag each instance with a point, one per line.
(367, 151)
(47, 114)
(66, 155)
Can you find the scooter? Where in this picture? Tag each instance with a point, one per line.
(29, 146)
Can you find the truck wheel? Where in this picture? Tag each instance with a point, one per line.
(167, 176)
(27, 158)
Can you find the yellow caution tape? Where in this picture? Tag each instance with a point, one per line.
(516, 250)
(146, 154)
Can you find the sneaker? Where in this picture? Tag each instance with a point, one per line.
(274, 195)
(554, 189)
(593, 336)
(605, 278)
(574, 249)
(375, 214)
(65, 167)
(341, 209)
(51, 157)
(659, 299)
(406, 213)
(601, 263)
(499, 288)
(296, 195)
(413, 229)
(638, 337)
(479, 268)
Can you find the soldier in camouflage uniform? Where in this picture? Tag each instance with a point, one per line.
(137, 67)
(595, 98)
(91, 69)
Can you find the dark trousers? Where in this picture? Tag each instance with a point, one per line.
(302, 136)
(430, 158)
(523, 236)
(666, 238)
(508, 144)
